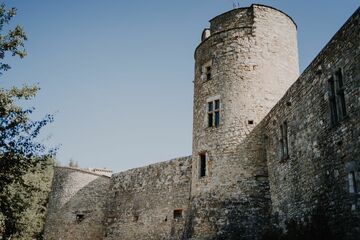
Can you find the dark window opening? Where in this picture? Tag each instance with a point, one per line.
(332, 100)
(208, 73)
(217, 104)
(217, 119)
(250, 122)
(202, 165)
(340, 94)
(337, 98)
(80, 217)
(284, 143)
(214, 113)
(178, 213)
(210, 119)
(210, 106)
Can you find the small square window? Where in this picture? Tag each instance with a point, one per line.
(80, 217)
(206, 72)
(178, 213)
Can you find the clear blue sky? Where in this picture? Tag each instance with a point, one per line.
(118, 74)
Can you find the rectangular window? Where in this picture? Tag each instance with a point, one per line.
(206, 71)
(214, 113)
(284, 143)
(337, 97)
(352, 182)
(332, 99)
(202, 165)
(341, 106)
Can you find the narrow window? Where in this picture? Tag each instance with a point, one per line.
(337, 97)
(210, 114)
(208, 72)
(340, 96)
(285, 137)
(332, 99)
(284, 143)
(202, 165)
(352, 182)
(178, 213)
(217, 113)
(214, 113)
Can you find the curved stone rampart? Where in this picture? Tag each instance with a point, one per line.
(76, 205)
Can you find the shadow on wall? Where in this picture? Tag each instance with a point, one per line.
(82, 216)
(241, 205)
(314, 227)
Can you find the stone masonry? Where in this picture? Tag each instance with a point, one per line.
(275, 155)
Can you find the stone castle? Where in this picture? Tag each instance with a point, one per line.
(274, 153)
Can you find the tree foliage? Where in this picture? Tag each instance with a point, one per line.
(20, 154)
(11, 42)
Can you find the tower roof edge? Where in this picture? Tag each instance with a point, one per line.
(252, 6)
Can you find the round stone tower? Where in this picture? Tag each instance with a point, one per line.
(246, 61)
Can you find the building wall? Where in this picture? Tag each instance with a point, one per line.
(254, 60)
(249, 189)
(76, 205)
(312, 184)
(142, 201)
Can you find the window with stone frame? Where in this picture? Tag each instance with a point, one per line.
(337, 98)
(206, 71)
(213, 113)
(284, 142)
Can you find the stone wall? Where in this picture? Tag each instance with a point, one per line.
(311, 186)
(251, 189)
(142, 201)
(254, 60)
(76, 205)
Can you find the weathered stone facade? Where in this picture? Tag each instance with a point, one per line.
(264, 164)
(143, 201)
(254, 59)
(77, 205)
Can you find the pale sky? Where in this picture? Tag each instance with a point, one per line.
(118, 74)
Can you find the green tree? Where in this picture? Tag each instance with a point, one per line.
(20, 153)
